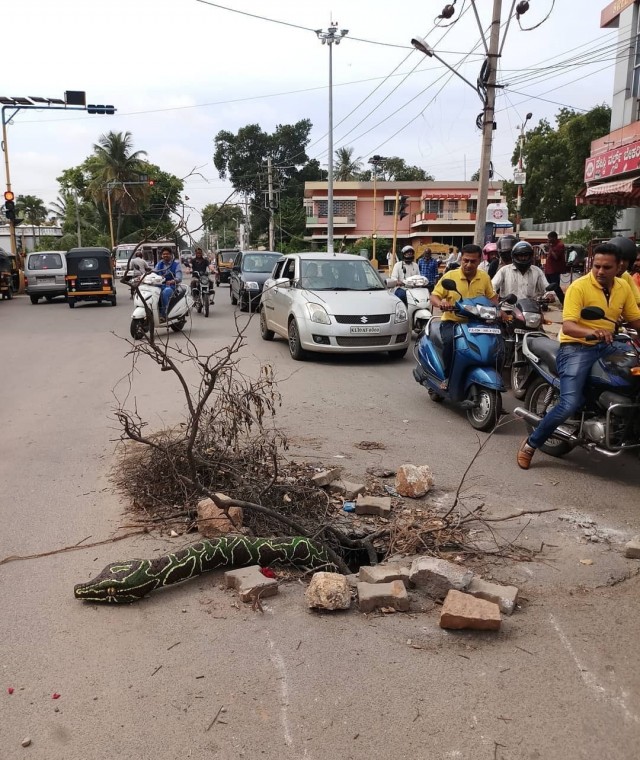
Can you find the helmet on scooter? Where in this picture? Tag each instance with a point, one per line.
(505, 244)
(627, 248)
(522, 256)
(408, 254)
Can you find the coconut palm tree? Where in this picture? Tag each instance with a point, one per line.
(113, 164)
(31, 208)
(346, 167)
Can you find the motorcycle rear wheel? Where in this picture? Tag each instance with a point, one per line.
(518, 377)
(485, 414)
(535, 402)
(205, 304)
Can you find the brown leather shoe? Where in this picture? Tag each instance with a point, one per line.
(525, 455)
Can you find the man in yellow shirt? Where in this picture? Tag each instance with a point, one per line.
(471, 282)
(576, 356)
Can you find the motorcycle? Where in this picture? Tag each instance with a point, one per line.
(202, 294)
(146, 305)
(418, 302)
(475, 379)
(609, 420)
(525, 316)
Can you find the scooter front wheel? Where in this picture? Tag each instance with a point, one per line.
(138, 328)
(435, 396)
(484, 414)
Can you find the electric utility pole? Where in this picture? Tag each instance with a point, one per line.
(487, 123)
(270, 204)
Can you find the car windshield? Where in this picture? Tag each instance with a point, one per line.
(228, 257)
(261, 263)
(320, 274)
(45, 261)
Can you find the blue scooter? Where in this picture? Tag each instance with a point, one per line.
(475, 382)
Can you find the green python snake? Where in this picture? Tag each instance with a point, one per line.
(128, 581)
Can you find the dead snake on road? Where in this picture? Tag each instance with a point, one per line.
(128, 581)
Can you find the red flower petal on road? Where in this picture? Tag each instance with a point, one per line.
(267, 572)
(55, 695)
(10, 690)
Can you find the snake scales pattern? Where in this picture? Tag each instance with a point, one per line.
(130, 580)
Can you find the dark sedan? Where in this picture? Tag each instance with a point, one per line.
(250, 271)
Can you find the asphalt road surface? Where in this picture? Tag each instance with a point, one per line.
(560, 681)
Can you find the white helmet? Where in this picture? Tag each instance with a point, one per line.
(408, 253)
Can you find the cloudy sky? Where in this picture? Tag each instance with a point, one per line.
(179, 71)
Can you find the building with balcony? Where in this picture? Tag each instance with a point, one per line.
(438, 212)
(612, 171)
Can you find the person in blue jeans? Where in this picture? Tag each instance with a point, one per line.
(576, 356)
(171, 270)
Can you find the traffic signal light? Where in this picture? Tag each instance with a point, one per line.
(403, 203)
(151, 182)
(110, 110)
(9, 206)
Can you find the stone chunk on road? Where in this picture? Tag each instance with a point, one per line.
(213, 522)
(325, 477)
(380, 506)
(437, 576)
(346, 489)
(632, 548)
(372, 596)
(464, 611)
(504, 596)
(413, 480)
(328, 591)
(250, 583)
(394, 571)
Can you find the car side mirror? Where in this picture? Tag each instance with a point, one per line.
(236, 268)
(549, 288)
(389, 282)
(592, 313)
(283, 282)
(448, 284)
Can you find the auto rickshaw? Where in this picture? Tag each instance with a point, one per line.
(224, 263)
(90, 276)
(6, 276)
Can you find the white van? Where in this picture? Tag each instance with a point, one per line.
(45, 273)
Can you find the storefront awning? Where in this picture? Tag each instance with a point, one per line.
(623, 193)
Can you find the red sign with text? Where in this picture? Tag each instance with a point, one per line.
(617, 161)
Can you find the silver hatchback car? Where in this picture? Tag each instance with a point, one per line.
(332, 304)
(45, 275)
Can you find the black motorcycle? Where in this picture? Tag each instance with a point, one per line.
(202, 293)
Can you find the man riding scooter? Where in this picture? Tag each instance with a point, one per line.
(470, 283)
(402, 271)
(171, 270)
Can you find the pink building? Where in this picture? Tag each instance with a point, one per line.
(439, 212)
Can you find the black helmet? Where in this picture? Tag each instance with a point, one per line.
(505, 244)
(627, 249)
(408, 254)
(522, 256)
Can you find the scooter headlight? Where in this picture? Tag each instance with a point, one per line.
(487, 312)
(531, 319)
(401, 313)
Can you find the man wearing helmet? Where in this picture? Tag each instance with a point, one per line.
(491, 262)
(404, 269)
(521, 277)
(628, 251)
(505, 244)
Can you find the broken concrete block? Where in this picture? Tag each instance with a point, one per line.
(373, 596)
(374, 505)
(213, 522)
(413, 480)
(437, 576)
(393, 571)
(504, 596)
(328, 591)
(325, 477)
(464, 611)
(346, 489)
(250, 583)
(632, 548)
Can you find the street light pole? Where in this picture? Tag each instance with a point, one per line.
(328, 38)
(520, 183)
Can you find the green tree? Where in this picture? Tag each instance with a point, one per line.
(346, 167)
(554, 158)
(396, 169)
(222, 221)
(31, 209)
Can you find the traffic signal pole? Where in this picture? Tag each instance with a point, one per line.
(5, 150)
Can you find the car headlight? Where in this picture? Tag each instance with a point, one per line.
(251, 286)
(401, 312)
(318, 314)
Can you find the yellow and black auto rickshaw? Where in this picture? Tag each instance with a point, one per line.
(6, 276)
(90, 276)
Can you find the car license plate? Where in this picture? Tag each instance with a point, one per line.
(47, 279)
(485, 330)
(364, 329)
(520, 331)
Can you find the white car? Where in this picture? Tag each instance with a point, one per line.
(332, 304)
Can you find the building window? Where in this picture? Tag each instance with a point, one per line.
(389, 207)
(340, 208)
(433, 207)
(472, 207)
(308, 209)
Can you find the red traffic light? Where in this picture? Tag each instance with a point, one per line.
(8, 195)
(152, 182)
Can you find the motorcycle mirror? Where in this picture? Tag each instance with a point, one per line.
(511, 298)
(549, 288)
(592, 312)
(449, 284)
